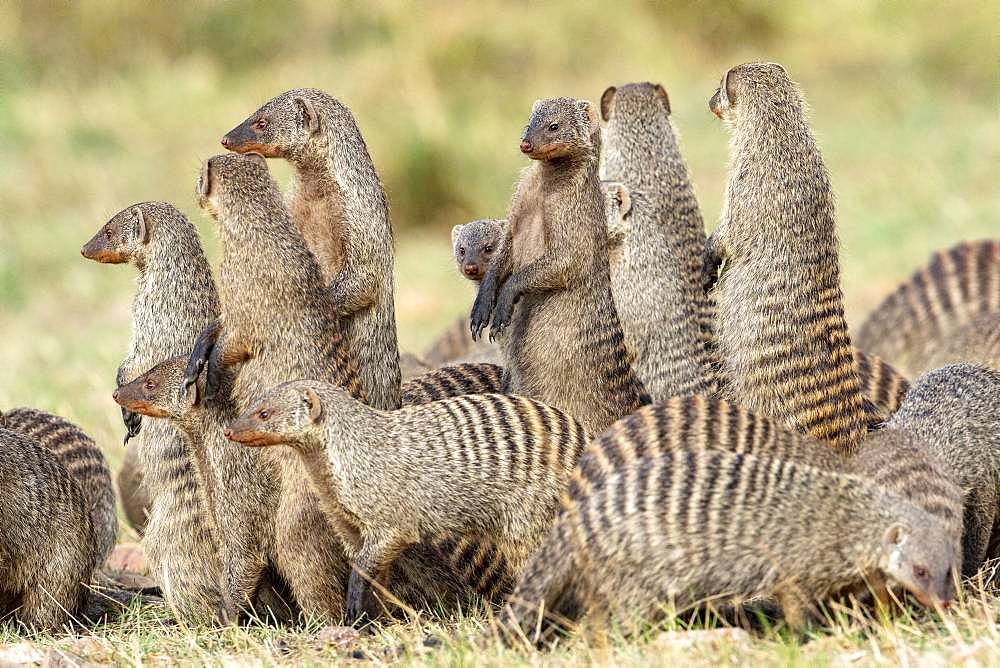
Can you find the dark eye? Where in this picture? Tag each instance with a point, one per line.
(261, 123)
(553, 127)
(920, 573)
(149, 385)
(263, 415)
(109, 233)
(488, 249)
(461, 251)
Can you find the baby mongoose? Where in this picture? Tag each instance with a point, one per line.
(48, 547)
(691, 527)
(565, 345)
(488, 466)
(338, 204)
(84, 460)
(957, 286)
(656, 279)
(782, 340)
(453, 381)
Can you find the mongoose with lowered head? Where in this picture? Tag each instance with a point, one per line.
(565, 345)
(488, 466)
(135, 499)
(48, 544)
(782, 340)
(341, 210)
(957, 286)
(84, 460)
(656, 280)
(175, 299)
(689, 527)
(955, 412)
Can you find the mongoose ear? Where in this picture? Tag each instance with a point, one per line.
(593, 118)
(606, 99)
(729, 87)
(204, 181)
(624, 199)
(535, 105)
(661, 93)
(313, 403)
(191, 394)
(139, 228)
(310, 119)
(454, 233)
(894, 536)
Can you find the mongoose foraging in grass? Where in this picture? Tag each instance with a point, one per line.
(955, 412)
(340, 208)
(689, 527)
(453, 381)
(175, 299)
(84, 460)
(782, 340)
(565, 345)
(135, 499)
(656, 280)
(957, 286)
(487, 466)
(48, 546)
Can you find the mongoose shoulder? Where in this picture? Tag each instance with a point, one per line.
(656, 278)
(565, 346)
(955, 287)
(487, 466)
(690, 527)
(47, 538)
(340, 208)
(782, 340)
(955, 412)
(81, 456)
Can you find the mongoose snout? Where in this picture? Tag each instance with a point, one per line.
(526, 147)
(471, 270)
(715, 103)
(245, 138)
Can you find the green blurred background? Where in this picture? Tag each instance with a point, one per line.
(103, 104)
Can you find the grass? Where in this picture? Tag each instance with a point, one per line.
(105, 104)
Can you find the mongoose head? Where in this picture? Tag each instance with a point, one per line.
(923, 559)
(635, 100)
(749, 85)
(473, 245)
(289, 414)
(126, 237)
(228, 181)
(561, 127)
(283, 127)
(160, 392)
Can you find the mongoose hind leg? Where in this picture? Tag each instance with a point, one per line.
(369, 571)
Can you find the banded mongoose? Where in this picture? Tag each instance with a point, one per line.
(956, 286)
(565, 345)
(175, 299)
(955, 412)
(487, 466)
(977, 341)
(135, 499)
(691, 527)
(782, 340)
(453, 381)
(81, 456)
(48, 546)
(473, 245)
(338, 203)
(656, 280)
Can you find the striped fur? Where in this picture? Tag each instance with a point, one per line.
(978, 342)
(957, 286)
(453, 381)
(782, 339)
(882, 386)
(80, 455)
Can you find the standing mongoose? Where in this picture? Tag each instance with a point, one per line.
(955, 412)
(565, 345)
(84, 460)
(656, 280)
(135, 498)
(175, 299)
(48, 546)
(489, 466)
(782, 340)
(338, 204)
(957, 286)
(691, 527)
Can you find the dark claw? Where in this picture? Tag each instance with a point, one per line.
(503, 312)
(133, 424)
(201, 354)
(481, 312)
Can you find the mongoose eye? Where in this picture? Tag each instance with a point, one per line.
(109, 233)
(920, 573)
(553, 127)
(461, 251)
(261, 123)
(488, 249)
(149, 385)
(264, 415)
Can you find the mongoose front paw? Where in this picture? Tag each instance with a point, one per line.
(133, 424)
(503, 312)
(201, 353)
(481, 312)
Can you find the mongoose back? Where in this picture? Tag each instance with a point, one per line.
(957, 286)
(175, 299)
(341, 210)
(565, 346)
(487, 466)
(453, 381)
(656, 280)
(955, 412)
(692, 527)
(80, 455)
(977, 341)
(48, 546)
(782, 340)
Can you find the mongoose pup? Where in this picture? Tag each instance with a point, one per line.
(488, 466)
(452, 381)
(656, 280)
(689, 527)
(175, 299)
(782, 340)
(84, 460)
(340, 208)
(135, 499)
(565, 345)
(957, 286)
(48, 546)
(955, 412)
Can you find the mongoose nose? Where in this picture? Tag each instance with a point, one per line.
(226, 141)
(526, 147)
(471, 270)
(114, 395)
